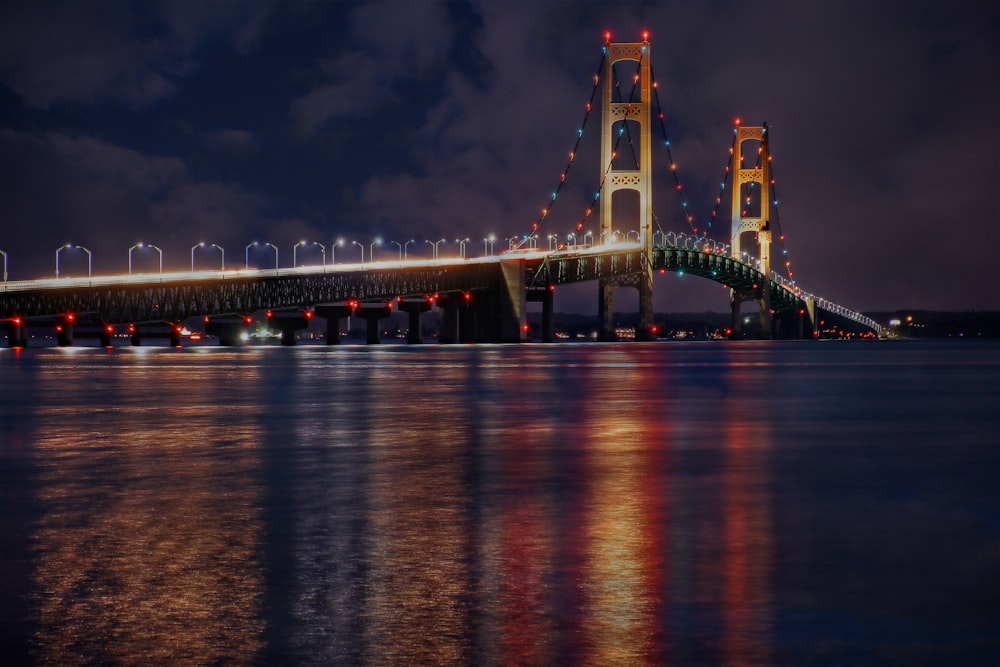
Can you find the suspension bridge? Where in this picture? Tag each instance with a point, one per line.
(482, 299)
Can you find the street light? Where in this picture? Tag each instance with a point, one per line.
(333, 250)
(4, 265)
(59, 250)
(265, 243)
(435, 245)
(140, 244)
(553, 239)
(210, 245)
(362, 251)
(371, 248)
(461, 247)
(488, 244)
(322, 249)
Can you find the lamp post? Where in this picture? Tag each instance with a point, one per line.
(4, 265)
(322, 249)
(210, 245)
(333, 250)
(589, 235)
(400, 246)
(553, 239)
(257, 244)
(295, 249)
(435, 245)
(488, 244)
(461, 247)
(371, 248)
(64, 247)
(144, 245)
(362, 251)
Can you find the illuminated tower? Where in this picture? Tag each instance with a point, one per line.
(628, 179)
(760, 224)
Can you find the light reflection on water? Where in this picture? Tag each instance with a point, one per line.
(594, 504)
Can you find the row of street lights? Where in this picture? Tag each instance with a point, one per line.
(489, 244)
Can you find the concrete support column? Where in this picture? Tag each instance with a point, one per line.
(466, 319)
(735, 321)
(64, 330)
(229, 330)
(414, 308)
(374, 314)
(764, 303)
(17, 332)
(605, 314)
(544, 295)
(448, 305)
(644, 332)
(289, 324)
(334, 313)
(136, 336)
(107, 334)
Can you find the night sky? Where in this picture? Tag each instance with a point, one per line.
(227, 122)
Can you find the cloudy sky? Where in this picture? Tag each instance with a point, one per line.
(229, 121)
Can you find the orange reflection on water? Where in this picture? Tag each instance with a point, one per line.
(621, 574)
(416, 605)
(146, 553)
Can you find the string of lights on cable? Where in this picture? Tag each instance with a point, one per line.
(536, 225)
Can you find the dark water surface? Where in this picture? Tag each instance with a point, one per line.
(800, 503)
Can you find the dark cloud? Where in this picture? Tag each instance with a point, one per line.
(234, 122)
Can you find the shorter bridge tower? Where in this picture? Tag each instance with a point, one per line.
(639, 180)
(743, 221)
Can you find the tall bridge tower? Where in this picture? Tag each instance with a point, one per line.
(639, 180)
(744, 221)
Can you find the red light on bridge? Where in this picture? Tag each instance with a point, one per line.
(247, 320)
(738, 121)
(110, 328)
(308, 314)
(645, 35)
(17, 321)
(207, 319)
(70, 317)
(607, 36)
(59, 328)
(269, 314)
(467, 296)
(131, 328)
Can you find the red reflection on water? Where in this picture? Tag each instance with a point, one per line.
(746, 536)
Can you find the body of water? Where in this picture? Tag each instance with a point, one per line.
(773, 503)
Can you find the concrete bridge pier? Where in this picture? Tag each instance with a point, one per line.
(107, 334)
(134, 336)
(289, 324)
(448, 305)
(229, 330)
(415, 308)
(334, 313)
(17, 335)
(374, 313)
(544, 295)
(64, 330)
